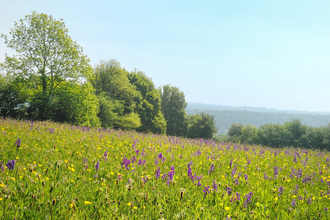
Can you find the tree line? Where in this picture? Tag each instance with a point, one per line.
(51, 79)
(224, 118)
(292, 133)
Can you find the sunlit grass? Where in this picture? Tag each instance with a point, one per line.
(63, 171)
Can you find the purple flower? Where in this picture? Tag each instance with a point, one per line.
(236, 181)
(97, 166)
(215, 186)
(156, 162)
(309, 201)
(231, 162)
(248, 198)
(280, 190)
(293, 203)
(170, 175)
(105, 154)
(126, 162)
(18, 143)
(211, 169)
(160, 156)
(275, 171)
(295, 159)
(140, 162)
(238, 196)
(85, 163)
(246, 177)
(11, 164)
(2, 168)
(325, 209)
(137, 152)
(229, 190)
(157, 173)
(206, 190)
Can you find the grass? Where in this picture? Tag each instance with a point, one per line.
(68, 172)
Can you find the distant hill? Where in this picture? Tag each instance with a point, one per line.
(193, 105)
(226, 115)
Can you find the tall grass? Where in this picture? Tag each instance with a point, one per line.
(59, 171)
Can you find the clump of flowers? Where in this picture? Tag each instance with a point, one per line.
(11, 164)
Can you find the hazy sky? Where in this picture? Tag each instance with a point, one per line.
(273, 54)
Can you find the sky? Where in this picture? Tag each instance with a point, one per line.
(272, 54)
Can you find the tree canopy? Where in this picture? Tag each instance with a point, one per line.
(47, 62)
(173, 107)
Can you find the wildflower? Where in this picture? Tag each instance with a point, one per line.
(11, 164)
(293, 203)
(206, 190)
(160, 156)
(227, 208)
(246, 177)
(18, 143)
(157, 173)
(248, 198)
(275, 171)
(211, 169)
(309, 201)
(97, 166)
(140, 162)
(87, 202)
(325, 209)
(229, 190)
(280, 190)
(236, 181)
(238, 196)
(105, 154)
(215, 186)
(231, 162)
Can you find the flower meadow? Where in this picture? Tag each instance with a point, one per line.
(59, 171)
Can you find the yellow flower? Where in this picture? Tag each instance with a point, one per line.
(71, 205)
(1, 199)
(87, 202)
(2, 185)
(227, 208)
(129, 203)
(276, 198)
(135, 207)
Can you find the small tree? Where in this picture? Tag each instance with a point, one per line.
(201, 125)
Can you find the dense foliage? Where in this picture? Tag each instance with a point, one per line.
(173, 108)
(292, 133)
(224, 118)
(58, 171)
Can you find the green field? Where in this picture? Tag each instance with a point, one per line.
(59, 171)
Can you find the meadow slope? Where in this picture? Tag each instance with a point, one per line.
(58, 171)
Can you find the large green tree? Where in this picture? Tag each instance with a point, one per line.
(118, 98)
(46, 58)
(149, 104)
(201, 125)
(173, 107)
